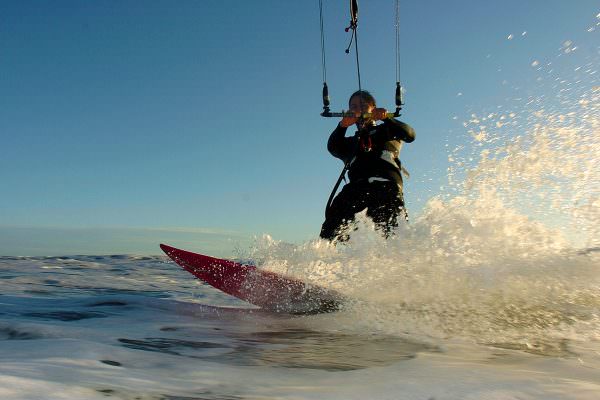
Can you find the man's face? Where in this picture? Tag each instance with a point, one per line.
(356, 105)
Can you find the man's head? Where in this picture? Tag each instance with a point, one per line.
(362, 101)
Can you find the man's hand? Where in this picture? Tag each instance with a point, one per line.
(378, 114)
(348, 121)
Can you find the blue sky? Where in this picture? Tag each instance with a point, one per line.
(128, 123)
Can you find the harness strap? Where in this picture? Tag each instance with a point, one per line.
(335, 188)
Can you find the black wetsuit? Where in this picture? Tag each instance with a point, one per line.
(375, 177)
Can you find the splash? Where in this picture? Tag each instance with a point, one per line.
(542, 163)
(508, 253)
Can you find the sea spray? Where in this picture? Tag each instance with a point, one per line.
(507, 254)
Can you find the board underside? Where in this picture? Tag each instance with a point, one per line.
(265, 289)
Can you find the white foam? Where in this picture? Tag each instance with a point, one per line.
(505, 255)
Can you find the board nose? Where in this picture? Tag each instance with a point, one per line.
(167, 249)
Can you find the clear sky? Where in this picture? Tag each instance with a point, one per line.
(128, 123)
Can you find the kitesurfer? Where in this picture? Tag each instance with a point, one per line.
(372, 160)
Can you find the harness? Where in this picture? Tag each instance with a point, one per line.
(389, 152)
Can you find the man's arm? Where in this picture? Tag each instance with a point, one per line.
(339, 145)
(398, 130)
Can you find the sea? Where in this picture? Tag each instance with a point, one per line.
(498, 297)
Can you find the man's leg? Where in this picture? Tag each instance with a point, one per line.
(341, 213)
(385, 206)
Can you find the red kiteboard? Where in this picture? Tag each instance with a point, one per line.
(268, 290)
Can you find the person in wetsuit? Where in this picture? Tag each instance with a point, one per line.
(374, 169)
